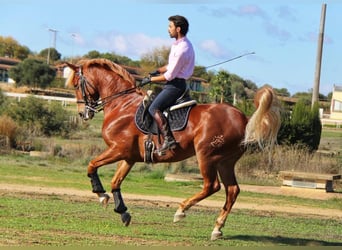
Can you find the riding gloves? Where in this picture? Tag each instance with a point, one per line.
(144, 81)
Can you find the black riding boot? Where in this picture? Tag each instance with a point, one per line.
(169, 140)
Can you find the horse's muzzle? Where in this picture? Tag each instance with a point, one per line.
(87, 114)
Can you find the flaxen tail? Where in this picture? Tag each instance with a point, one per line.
(264, 124)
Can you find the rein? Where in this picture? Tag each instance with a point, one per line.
(97, 106)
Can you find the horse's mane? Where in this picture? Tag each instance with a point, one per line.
(116, 68)
(85, 63)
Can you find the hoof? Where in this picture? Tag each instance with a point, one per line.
(126, 218)
(104, 200)
(178, 217)
(216, 235)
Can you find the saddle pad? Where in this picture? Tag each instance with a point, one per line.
(177, 120)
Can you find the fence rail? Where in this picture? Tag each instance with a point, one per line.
(64, 100)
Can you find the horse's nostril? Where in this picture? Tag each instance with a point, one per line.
(81, 114)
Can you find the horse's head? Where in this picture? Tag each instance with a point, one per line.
(86, 93)
(98, 82)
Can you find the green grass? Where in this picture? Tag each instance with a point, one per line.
(29, 220)
(60, 172)
(326, 132)
(331, 139)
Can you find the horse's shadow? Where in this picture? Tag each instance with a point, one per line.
(280, 240)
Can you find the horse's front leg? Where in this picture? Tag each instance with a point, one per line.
(105, 158)
(119, 205)
(98, 189)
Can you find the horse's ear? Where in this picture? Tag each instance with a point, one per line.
(69, 81)
(72, 66)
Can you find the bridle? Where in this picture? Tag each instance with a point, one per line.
(92, 106)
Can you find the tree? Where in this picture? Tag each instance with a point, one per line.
(200, 71)
(156, 58)
(32, 72)
(329, 96)
(251, 85)
(220, 88)
(282, 92)
(308, 96)
(93, 54)
(9, 47)
(303, 95)
(53, 54)
(238, 89)
(22, 52)
(123, 60)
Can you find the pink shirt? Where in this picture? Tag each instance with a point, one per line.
(181, 60)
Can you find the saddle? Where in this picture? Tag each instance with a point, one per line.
(177, 116)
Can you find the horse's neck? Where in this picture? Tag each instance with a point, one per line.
(124, 103)
(112, 90)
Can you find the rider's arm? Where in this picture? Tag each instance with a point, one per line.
(162, 69)
(161, 77)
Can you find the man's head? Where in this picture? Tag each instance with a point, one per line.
(178, 24)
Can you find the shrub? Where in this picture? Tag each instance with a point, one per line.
(32, 72)
(254, 168)
(3, 99)
(40, 117)
(246, 106)
(302, 127)
(8, 130)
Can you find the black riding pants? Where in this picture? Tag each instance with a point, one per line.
(168, 96)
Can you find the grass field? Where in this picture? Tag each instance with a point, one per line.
(30, 218)
(34, 219)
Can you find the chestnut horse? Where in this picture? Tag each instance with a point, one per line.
(216, 133)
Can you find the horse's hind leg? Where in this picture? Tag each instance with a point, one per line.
(232, 190)
(211, 185)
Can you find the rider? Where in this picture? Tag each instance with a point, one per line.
(180, 67)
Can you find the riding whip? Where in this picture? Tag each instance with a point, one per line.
(231, 59)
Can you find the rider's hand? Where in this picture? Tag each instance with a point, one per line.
(144, 81)
(154, 73)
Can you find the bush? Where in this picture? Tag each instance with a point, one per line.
(302, 127)
(3, 99)
(8, 131)
(40, 117)
(32, 72)
(246, 106)
(254, 168)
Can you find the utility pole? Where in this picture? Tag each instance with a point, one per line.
(54, 37)
(54, 43)
(315, 91)
(73, 36)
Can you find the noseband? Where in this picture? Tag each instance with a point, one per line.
(91, 104)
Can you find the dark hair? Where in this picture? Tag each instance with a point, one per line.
(180, 21)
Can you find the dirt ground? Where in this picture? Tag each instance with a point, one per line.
(152, 200)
